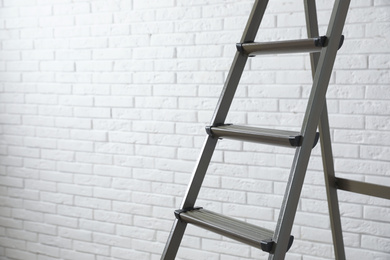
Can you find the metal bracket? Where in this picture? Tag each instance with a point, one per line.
(179, 211)
(208, 129)
(269, 245)
(322, 41)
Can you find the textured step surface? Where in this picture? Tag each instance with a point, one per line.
(259, 135)
(236, 229)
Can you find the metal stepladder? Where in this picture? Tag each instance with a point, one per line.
(323, 52)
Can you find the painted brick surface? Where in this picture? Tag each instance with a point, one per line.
(103, 105)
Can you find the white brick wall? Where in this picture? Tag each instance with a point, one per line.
(103, 105)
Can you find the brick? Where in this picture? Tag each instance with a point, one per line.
(73, 123)
(95, 112)
(88, 43)
(130, 41)
(111, 54)
(110, 217)
(55, 241)
(74, 167)
(94, 66)
(19, 254)
(154, 53)
(198, 52)
(113, 194)
(379, 61)
(92, 248)
(71, 8)
(40, 228)
(22, 235)
(92, 180)
(374, 152)
(110, 170)
(74, 234)
(154, 77)
(139, 4)
(9, 55)
(112, 30)
(110, 6)
(97, 226)
(73, 55)
(125, 253)
(84, 89)
(77, 212)
(197, 25)
(92, 203)
(22, 22)
(74, 255)
(113, 77)
(57, 66)
(93, 18)
(135, 208)
(74, 189)
(22, 66)
(68, 32)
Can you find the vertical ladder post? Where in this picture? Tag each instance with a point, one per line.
(219, 117)
(309, 127)
(325, 141)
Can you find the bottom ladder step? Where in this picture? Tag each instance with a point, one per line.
(236, 229)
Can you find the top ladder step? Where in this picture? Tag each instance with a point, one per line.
(258, 135)
(291, 46)
(235, 229)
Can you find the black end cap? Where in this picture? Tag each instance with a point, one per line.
(290, 242)
(240, 48)
(179, 211)
(295, 140)
(316, 139)
(208, 130)
(268, 245)
(320, 41)
(341, 41)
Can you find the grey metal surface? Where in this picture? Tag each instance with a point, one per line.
(365, 188)
(259, 135)
(310, 123)
(178, 228)
(229, 227)
(292, 46)
(220, 114)
(326, 147)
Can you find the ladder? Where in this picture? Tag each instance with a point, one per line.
(323, 50)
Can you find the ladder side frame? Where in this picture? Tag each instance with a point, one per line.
(309, 127)
(219, 117)
(326, 145)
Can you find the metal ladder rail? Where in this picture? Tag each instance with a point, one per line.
(326, 145)
(313, 112)
(219, 117)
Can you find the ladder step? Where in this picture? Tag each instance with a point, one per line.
(258, 135)
(291, 46)
(235, 229)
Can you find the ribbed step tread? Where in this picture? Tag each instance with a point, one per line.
(236, 229)
(259, 135)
